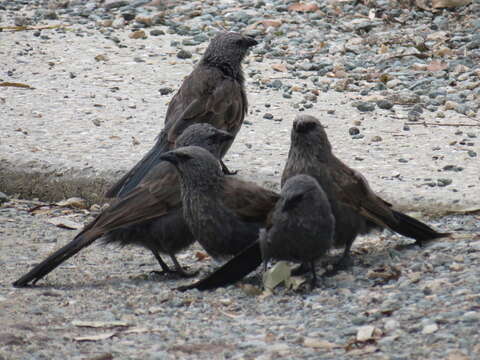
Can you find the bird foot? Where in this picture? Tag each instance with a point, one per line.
(343, 264)
(226, 171)
(174, 273)
(186, 274)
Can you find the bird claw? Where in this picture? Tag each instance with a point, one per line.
(186, 274)
(174, 273)
(226, 171)
(343, 264)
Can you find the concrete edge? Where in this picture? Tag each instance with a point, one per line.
(35, 180)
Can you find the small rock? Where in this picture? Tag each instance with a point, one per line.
(318, 344)
(128, 15)
(112, 4)
(184, 54)
(276, 84)
(139, 34)
(165, 90)
(413, 115)
(50, 15)
(471, 316)
(118, 23)
(365, 106)
(353, 131)
(450, 105)
(365, 333)
(429, 329)
(452, 168)
(157, 32)
(391, 324)
(471, 153)
(21, 21)
(376, 138)
(404, 98)
(384, 104)
(444, 182)
(268, 116)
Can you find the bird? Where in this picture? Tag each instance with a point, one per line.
(347, 190)
(149, 216)
(224, 213)
(355, 207)
(213, 93)
(302, 225)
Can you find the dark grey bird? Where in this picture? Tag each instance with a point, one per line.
(311, 153)
(302, 225)
(149, 216)
(223, 213)
(213, 93)
(355, 207)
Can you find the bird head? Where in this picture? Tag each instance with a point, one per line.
(308, 133)
(206, 136)
(228, 49)
(195, 165)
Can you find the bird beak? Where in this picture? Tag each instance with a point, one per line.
(170, 157)
(250, 41)
(224, 136)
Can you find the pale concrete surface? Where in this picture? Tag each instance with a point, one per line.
(86, 122)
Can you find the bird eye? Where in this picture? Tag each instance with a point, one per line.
(184, 156)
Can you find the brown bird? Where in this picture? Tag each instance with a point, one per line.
(213, 93)
(223, 213)
(356, 208)
(302, 225)
(149, 216)
(311, 153)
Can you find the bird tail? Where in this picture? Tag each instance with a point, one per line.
(132, 178)
(81, 241)
(232, 271)
(415, 229)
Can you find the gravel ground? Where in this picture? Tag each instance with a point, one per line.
(398, 302)
(388, 81)
(107, 86)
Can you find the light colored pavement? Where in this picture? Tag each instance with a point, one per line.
(90, 118)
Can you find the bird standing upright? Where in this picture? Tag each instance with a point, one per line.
(149, 216)
(355, 207)
(302, 225)
(213, 93)
(347, 190)
(223, 213)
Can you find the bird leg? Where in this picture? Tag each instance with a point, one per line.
(163, 265)
(313, 283)
(344, 263)
(225, 169)
(181, 271)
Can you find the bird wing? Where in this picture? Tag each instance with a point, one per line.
(206, 95)
(248, 200)
(353, 190)
(151, 199)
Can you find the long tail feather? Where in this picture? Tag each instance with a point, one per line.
(81, 241)
(232, 271)
(415, 229)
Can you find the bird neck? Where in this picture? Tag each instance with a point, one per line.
(228, 68)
